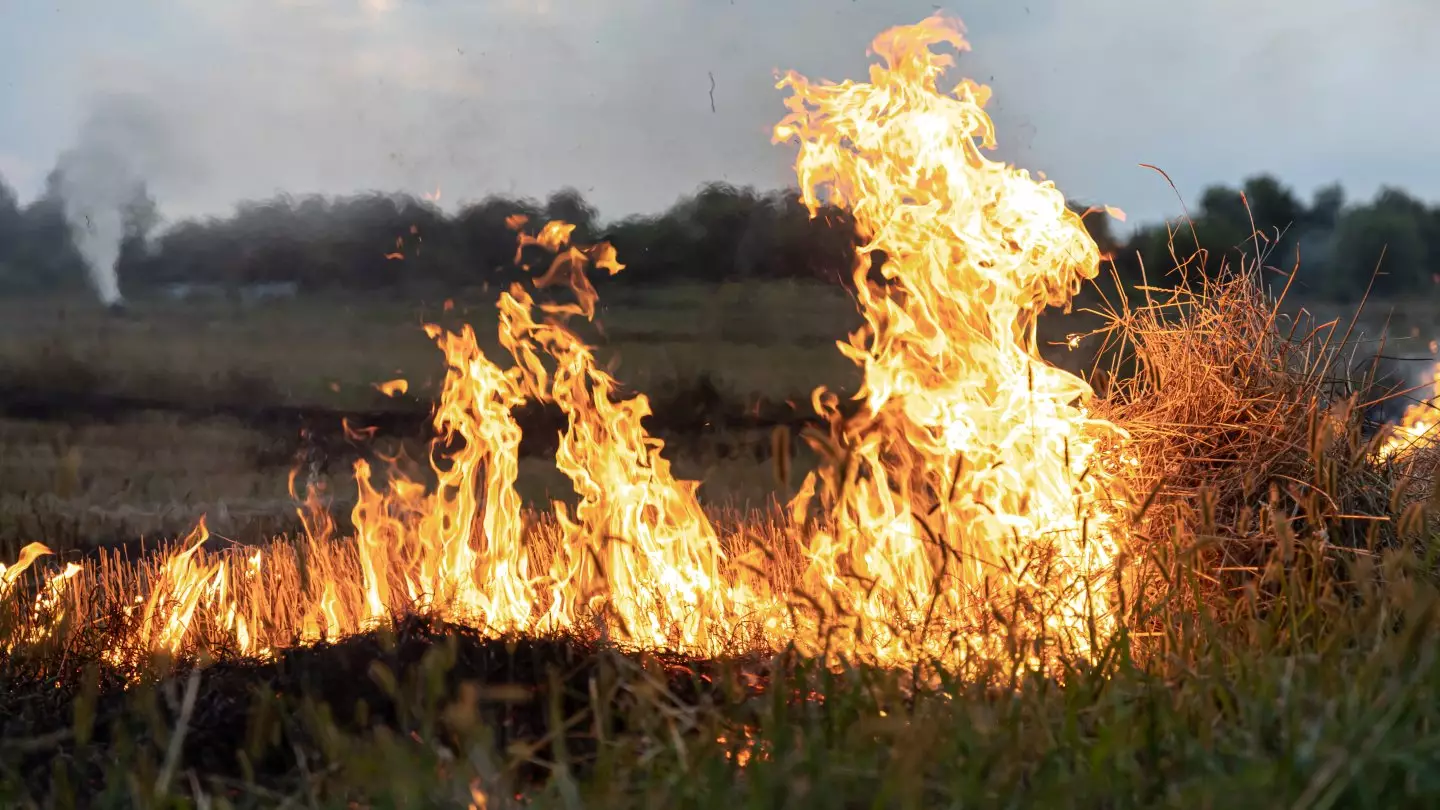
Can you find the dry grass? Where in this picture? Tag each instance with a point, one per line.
(1249, 425)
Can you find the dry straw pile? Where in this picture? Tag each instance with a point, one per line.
(1248, 421)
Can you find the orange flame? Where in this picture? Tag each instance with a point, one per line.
(1416, 429)
(392, 388)
(974, 479)
(972, 484)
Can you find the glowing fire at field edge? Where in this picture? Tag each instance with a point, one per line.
(974, 508)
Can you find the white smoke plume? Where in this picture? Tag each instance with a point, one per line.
(96, 184)
(102, 175)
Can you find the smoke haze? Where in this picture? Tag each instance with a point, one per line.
(615, 98)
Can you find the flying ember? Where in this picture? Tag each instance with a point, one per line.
(972, 508)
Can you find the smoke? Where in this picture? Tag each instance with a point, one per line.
(95, 185)
(615, 97)
(101, 178)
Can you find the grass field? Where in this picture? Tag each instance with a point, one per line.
(71, 481)
(774, 340)
(1314, 685)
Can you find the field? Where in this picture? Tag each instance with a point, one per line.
(1180, 552)
(122, 428)
(1313, 688)
(116, 429)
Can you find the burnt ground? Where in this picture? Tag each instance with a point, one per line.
(251, 719)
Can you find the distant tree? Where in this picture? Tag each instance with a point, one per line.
(1387, 228)
(715, 222)
(1224, 204)
(11, 225)
(141, 215)
(1279, 218)
(45, 257)
(480, 234)
(402, 245)
(1273, 205)
(1326, 206)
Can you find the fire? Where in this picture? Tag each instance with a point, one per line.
(974, 478)
(973, 485)
(48, 601)
(1417, 428)
(392, 388)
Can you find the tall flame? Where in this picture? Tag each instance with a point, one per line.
(973, 485)
(973, 478)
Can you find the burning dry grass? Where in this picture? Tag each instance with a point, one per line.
(982, 533)
(1245, 421)
(966, 513)
(1331, 705)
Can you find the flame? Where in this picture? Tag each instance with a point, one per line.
(974, 478)
(972, 486)
(10, 574)
(48, 601)
(1416, 428)
(478, 799)
(392, 388)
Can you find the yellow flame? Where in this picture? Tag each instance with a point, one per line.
(971, 504)
(974, 478)
(9, 575)
(1417, 427)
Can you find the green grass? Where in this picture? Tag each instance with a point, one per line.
(776, 341)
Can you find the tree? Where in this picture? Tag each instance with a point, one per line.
(10, 225)
(140, 216)
(1273, 206)
(1383, 228)
(1326, 206)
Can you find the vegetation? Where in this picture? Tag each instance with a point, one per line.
(1276, 651)
(1327, 705)
(720, 233)
(1279, 610)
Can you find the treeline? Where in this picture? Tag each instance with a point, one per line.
(1389, 244)
(399, 243)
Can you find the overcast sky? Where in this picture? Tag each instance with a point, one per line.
(229, 99)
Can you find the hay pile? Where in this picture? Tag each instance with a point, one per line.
(1249, 426)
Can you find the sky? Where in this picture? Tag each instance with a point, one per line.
(218, 101)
